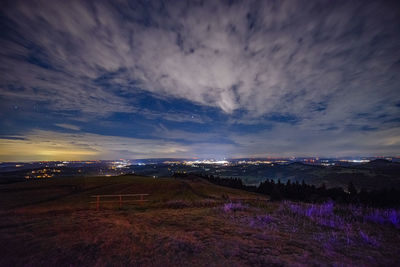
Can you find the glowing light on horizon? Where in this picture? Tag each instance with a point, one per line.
(217, 162)
(27, 150)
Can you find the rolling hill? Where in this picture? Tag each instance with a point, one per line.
(186, 222)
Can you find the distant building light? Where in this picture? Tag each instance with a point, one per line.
(359, 160)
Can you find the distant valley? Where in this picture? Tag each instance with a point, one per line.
(376, 174)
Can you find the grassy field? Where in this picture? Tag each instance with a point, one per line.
(186, 222)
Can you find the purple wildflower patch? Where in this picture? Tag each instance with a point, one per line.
(322, 214)
(394, 217)
(260, 220)
(229, 207)
(368, 239)
(386, 216)
(375, 217)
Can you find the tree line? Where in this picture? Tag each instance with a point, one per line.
(310, 193)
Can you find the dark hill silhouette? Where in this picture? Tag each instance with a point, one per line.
(310, 193)
(381, 163)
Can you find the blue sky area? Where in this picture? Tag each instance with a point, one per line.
(222, 79)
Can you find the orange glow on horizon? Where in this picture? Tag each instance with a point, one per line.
(25, 150)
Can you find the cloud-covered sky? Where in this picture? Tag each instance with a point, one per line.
(137, 79)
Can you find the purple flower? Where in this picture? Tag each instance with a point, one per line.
(368, 239)
(229, 207)
(394, 217)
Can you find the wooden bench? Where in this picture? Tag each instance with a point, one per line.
(119, 199)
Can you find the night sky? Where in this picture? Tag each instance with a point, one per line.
(207, 79)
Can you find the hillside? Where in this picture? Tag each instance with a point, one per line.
(377, 174)
(186, 222)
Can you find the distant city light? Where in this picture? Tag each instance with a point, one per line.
(356, 160)
(217, 162)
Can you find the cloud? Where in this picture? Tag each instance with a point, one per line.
(259, 57)
(321, 67)
(279, 141)
(68, 126)
(288, 140)
(51, 145)
(188, 137)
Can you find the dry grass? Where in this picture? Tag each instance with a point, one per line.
(185, 223)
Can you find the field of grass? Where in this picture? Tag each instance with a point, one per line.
(186, 222)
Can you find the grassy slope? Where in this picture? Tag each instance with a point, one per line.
(74, 193)
(185, 223)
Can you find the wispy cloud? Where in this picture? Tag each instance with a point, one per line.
(51, 145)
(319, 64)
(288, 140)
(260, 57)
(68, 126)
